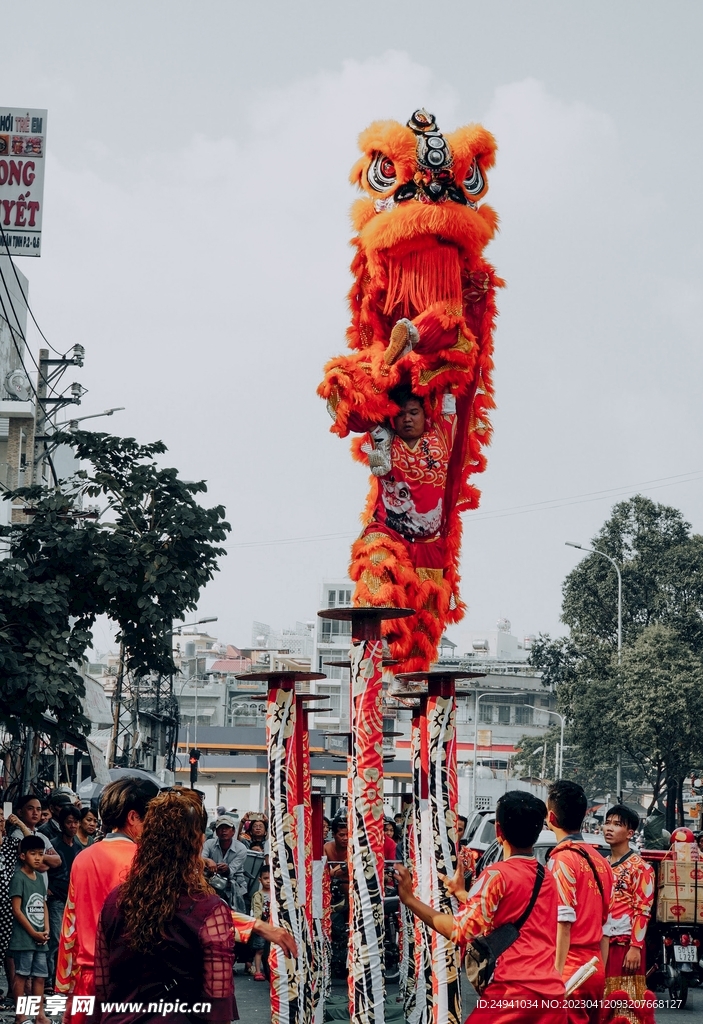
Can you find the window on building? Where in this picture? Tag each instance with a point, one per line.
(334, 701)
(504, 714)
(483, 803)
(523, 715)
(332, 629)
(485, 713)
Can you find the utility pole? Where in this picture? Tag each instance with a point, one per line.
(51, 370)
(117, 707)
(39, 460)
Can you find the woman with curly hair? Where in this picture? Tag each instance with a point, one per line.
(164, 936)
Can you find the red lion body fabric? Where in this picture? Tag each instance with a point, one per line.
(423, 312)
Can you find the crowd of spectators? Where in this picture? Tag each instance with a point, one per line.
(77, 886)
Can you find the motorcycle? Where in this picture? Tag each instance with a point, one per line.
(674, 958)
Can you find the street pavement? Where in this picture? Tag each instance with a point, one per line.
(254, 1004)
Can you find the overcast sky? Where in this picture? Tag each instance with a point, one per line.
(196, 242)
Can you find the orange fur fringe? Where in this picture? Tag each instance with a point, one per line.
(423, 261)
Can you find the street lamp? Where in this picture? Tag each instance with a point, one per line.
(595, 551)
(558, 768)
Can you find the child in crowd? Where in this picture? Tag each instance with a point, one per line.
(30, 927)
(261, 908)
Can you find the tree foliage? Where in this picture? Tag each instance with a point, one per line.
(662, 577)
(617, 709)
(658, 705)
(143, 563)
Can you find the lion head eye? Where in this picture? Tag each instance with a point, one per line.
(381, 174)
(474, 183)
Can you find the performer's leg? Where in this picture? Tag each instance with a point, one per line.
(384, 575)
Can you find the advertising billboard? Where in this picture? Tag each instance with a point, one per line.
(22, 156)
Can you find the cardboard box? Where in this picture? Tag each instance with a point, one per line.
(679, 891)
(685, 851)
(688, 872)
(679, 911)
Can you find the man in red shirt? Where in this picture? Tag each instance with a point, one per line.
(525, 988)
(631, 905)
(585, 882)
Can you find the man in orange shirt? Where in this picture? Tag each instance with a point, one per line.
(584, 882)
(525, 988)
(95, 873)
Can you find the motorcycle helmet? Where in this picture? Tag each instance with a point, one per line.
(682, 835)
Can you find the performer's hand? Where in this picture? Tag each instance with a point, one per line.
(404, 882)
(455, 885)
(632, 960)
(279, 936)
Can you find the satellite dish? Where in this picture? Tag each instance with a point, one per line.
(17, 385)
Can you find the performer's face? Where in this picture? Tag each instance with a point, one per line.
(616, 831)
(409, 424)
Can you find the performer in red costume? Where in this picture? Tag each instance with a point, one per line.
(584, 882)
(409, 457)
(423, 310)
(525, 978)
(630, 908)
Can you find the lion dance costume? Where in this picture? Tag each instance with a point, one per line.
(423, 312)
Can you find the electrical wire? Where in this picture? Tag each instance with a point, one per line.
(23, 294)
(513, 510)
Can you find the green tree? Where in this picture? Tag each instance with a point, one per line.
(657, 712)
(662, 573)
(662, 577)
(142, 562)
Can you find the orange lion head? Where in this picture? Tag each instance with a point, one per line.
(420, 229)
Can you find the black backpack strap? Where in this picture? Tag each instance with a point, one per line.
(582, 853)
(533, 898)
